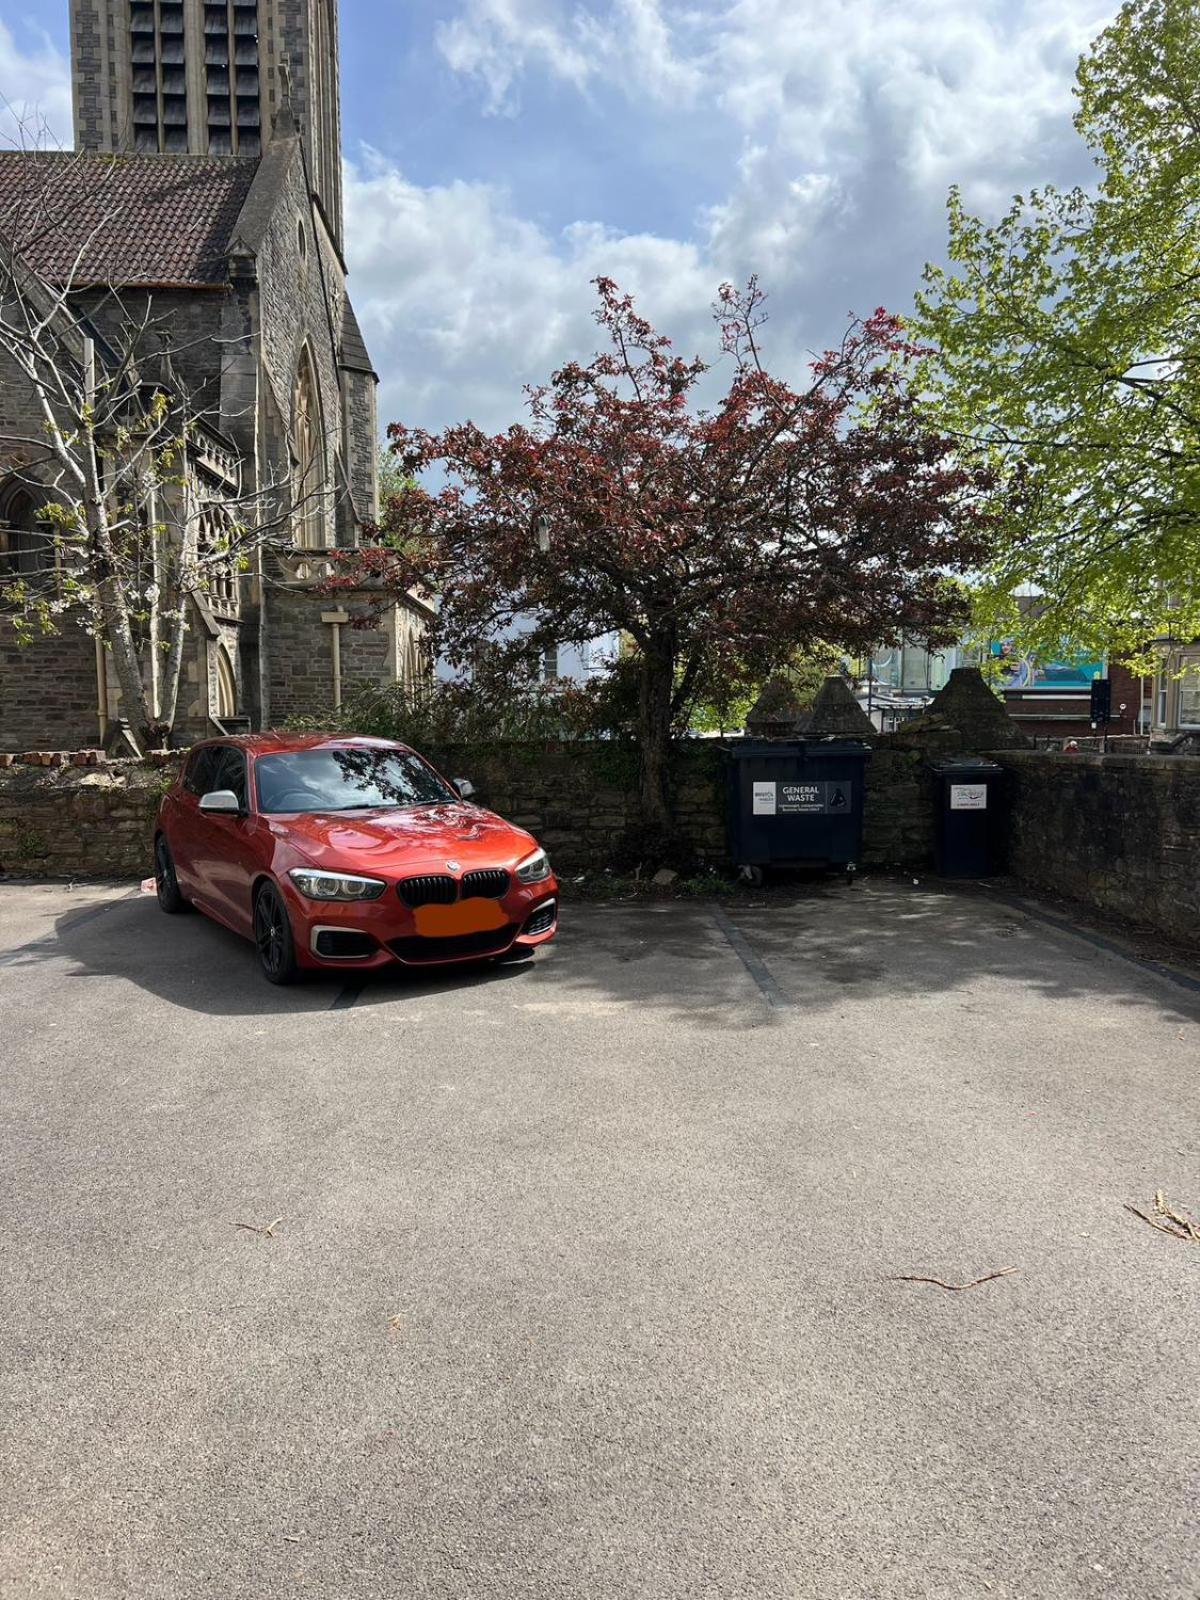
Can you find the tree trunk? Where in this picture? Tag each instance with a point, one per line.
(654, 737)
(186, 576)
(114, 609)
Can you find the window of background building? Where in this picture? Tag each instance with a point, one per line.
(1189, 697)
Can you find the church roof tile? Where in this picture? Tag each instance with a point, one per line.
(123, 220)
(353, 354)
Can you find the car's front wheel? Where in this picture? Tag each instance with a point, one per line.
(166, 884)
(273, 937)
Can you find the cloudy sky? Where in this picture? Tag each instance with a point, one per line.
(502, 153)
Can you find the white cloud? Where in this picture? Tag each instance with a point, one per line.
(846, 120)
(35, 93)
(630, 42)
(844, 123)
(463, 301)
(948, 84)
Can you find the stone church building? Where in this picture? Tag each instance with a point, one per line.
(206, 191)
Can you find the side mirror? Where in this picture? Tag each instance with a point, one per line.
(223, 801)
(464, 786)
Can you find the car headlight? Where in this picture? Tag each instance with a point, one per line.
(534, 868)
(335, 885)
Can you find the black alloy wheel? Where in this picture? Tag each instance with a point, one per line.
(273, 937)
(165, 882)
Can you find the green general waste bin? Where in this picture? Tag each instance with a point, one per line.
(971, 817)
(796, 803)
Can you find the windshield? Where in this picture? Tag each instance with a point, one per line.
(347, 780)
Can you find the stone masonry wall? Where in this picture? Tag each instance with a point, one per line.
(1121, 833)
(579, 799)
(48, 690)
(362, 439)
(300, 654)
(295, 312)
(92, 77)
(80, 822)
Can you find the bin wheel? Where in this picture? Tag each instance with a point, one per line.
(752, 876)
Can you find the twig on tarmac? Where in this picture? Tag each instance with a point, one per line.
(955, 1288)
(267, 1229)
(1164, 1208)
(1176, 1226)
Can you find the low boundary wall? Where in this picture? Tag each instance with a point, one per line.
(1119, 833)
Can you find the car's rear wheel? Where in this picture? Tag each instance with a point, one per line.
(273, 937)
(166, 884)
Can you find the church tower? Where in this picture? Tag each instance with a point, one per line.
(210, 77)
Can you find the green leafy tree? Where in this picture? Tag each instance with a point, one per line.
(1067, 353)
(727, 704)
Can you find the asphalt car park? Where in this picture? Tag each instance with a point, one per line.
(581, 1275)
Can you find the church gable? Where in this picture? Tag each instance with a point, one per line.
(301, 291)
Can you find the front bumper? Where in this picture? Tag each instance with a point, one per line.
(364, 934)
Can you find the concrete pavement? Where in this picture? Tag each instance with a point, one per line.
(584, 1283)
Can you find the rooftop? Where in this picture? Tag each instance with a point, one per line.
(124, 221)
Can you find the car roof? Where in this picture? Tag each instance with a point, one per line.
(272, 743)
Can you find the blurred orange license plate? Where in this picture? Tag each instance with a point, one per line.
(468, 916)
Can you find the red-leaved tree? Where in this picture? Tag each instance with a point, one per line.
(716, 541)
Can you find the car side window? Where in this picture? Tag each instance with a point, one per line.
(198, 773)
(230, 773)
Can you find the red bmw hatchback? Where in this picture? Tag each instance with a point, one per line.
(333, 852)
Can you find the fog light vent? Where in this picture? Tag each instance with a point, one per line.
(343, 944)
(542, 919)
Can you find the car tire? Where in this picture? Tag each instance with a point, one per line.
(166, 884)
(273, 938)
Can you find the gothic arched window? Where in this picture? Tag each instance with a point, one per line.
(221, 581)
(226, 686)
(308, 521)
(26, 545)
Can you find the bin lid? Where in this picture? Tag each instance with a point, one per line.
(965, 766)
(808, 749)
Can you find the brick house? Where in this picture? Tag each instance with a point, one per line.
(205, 192)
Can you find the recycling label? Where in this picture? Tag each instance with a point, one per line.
(814, 799)
(968, 797)
(821, 799)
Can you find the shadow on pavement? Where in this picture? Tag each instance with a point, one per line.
(193, 962)
(722, 968)
(823, 946)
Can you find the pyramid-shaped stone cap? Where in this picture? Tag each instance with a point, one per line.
(965, 702)
(835, 710)
(777, 712)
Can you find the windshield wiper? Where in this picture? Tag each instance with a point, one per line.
(385, 805)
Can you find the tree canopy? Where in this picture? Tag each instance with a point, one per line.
(717, 541)
(1067, 356)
